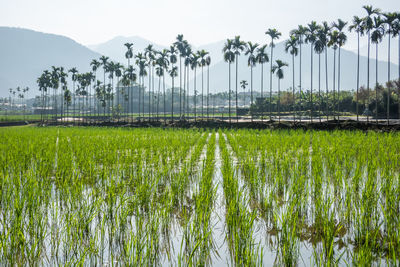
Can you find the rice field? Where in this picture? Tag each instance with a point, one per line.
(174, 197)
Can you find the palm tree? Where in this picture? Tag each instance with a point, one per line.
(173, 73)
(243, 84)
(299, 33)
(202, 62)
(159, 73)
(323, 36)
(118, 73)
(104, 63)
(74, 72)
(368, 25)
(180, 45)
(262, 57)
(164, 62)
(311, 36)
(279, 73)
(149, 53)
(188, 52)
(274, 34)
(173, 59)
(319, 47)
(128, 56)
(251, 50)
(376, 37)
(208, 63)
(55, 85)
(131, 75)
(95, 65)
(237, 47)
(341, 40)
(193, 64)
(291, 47)
(389, 21)
(141, 63)
(357, 27)
(229, 56)
(333, 40)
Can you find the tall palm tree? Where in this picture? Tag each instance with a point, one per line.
(311, 36)
(273, 34)
(243, 84)
(358, 28)
(202, 62)
(319, 47)
(194, 62)
(299, 33)
(376, 37)
(323, 36)
(118, 68)
(389, 21)
(173, 59)
(142, 64)
(237, 47)
(74, 72)
(131, 75)
(251, 50)
(104, 63)
(341, 40)
(180, 45)
(173, 73)
(229, 56)
(291, 46)
(262, 57)
(159, 73)
(208, 63)
(279, 74)
(188, 52)
(368, 25)
(164, 62)
(95, 65)
(55, 85)
(128, 56)
(149, 53)
(333, 40)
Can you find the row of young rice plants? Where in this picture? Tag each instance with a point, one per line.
(326, 197)
(87, 196)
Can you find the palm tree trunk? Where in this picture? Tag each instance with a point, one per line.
(294, 98)
(338, 87)
(270, 82)
(194, 94)
(172, 101)
(202, 91)
(149, 91)
(300, 79)
(251, 86)
(326, 83)
(237, 118)
(334, 82)
(158, 94)
(376, 83)
(388, 96)
(187, 91)
(180, 86)
(262, 85)
(164, 105)
(358, 70)
(369, 41)
(184, 92)
(279, 100)
(311, 87)
(319, 86)
(229, 92)
(208, 88)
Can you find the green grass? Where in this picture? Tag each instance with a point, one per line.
(96, 196)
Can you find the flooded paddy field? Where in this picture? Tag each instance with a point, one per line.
(173, 197)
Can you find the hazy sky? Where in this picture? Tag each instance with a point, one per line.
(201, 21)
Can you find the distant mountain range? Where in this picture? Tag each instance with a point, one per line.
(24, 54)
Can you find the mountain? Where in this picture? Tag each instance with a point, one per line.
(24, 54)
(382, 49)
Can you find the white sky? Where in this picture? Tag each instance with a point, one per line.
(201, 21)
